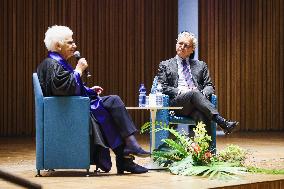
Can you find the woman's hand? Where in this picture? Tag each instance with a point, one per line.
(81, 65)
(97, 89)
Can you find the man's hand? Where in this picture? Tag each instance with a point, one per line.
(97, 89)
(193, 88)
(181, 91)
(81, 66)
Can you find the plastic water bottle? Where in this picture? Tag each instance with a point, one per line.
(154, 85)
(159, 95)
(142, 95)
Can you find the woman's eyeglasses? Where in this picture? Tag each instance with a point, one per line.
(70, 42)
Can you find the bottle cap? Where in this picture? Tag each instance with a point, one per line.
(142, 88)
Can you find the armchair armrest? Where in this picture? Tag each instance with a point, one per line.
(214, 100)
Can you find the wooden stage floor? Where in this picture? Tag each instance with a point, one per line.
(17, 156)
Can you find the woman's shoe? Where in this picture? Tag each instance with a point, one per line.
(135, 151)
(104, 167)
(127, 164)
(132, 148)
(102, 159)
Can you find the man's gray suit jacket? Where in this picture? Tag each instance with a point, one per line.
(168, 77)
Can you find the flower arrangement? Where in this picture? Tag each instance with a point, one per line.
(192, 156)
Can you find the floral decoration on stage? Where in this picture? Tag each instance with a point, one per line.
(192, 156)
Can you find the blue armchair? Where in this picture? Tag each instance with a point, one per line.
(62, 131)
(166, 117)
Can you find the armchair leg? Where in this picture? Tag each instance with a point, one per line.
(88, 173)
(38, 174)
(97, 170)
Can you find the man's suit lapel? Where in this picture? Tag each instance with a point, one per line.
(174, 71)
(174, 66)
(194, 71)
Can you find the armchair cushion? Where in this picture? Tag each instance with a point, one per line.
(66, 132)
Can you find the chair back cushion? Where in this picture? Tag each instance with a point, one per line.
(37, 87)
(38, 121)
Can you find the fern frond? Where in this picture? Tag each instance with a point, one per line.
(184, 140)
(176, 147)
(207, 173)
(145, 127)
(167, 155)
(213, 173)
(266, 171)
(220, 170)
(194, 171)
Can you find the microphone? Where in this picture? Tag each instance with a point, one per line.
(77, 55)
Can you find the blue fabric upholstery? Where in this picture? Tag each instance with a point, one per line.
(62, 131)
(165, 117)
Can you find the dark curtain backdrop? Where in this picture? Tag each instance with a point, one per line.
(122, 40)
(243, 43)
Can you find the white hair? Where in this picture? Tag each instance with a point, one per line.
(189, 35)
(56, 34)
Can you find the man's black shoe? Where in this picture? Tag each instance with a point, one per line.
(131, 151)
(227, 125)
(128, 165)
(230, 125)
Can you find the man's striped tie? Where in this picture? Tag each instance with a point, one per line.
(187, 74)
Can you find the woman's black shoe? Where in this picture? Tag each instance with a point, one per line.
(102, 159)
(127, 164)
(138, 151)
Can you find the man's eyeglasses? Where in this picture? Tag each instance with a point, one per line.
(184, 45)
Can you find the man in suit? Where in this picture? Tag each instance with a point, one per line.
(188, 84)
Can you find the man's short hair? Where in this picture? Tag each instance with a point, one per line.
(56, 34)
(190, 36)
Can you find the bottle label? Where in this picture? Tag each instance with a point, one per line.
(159, 100)
(152, 100)
(142, 100)
(142, 96)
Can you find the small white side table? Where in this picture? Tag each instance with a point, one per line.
(153, 111)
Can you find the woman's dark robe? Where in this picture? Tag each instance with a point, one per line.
(57, 78)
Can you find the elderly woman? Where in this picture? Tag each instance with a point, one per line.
(115, 128)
